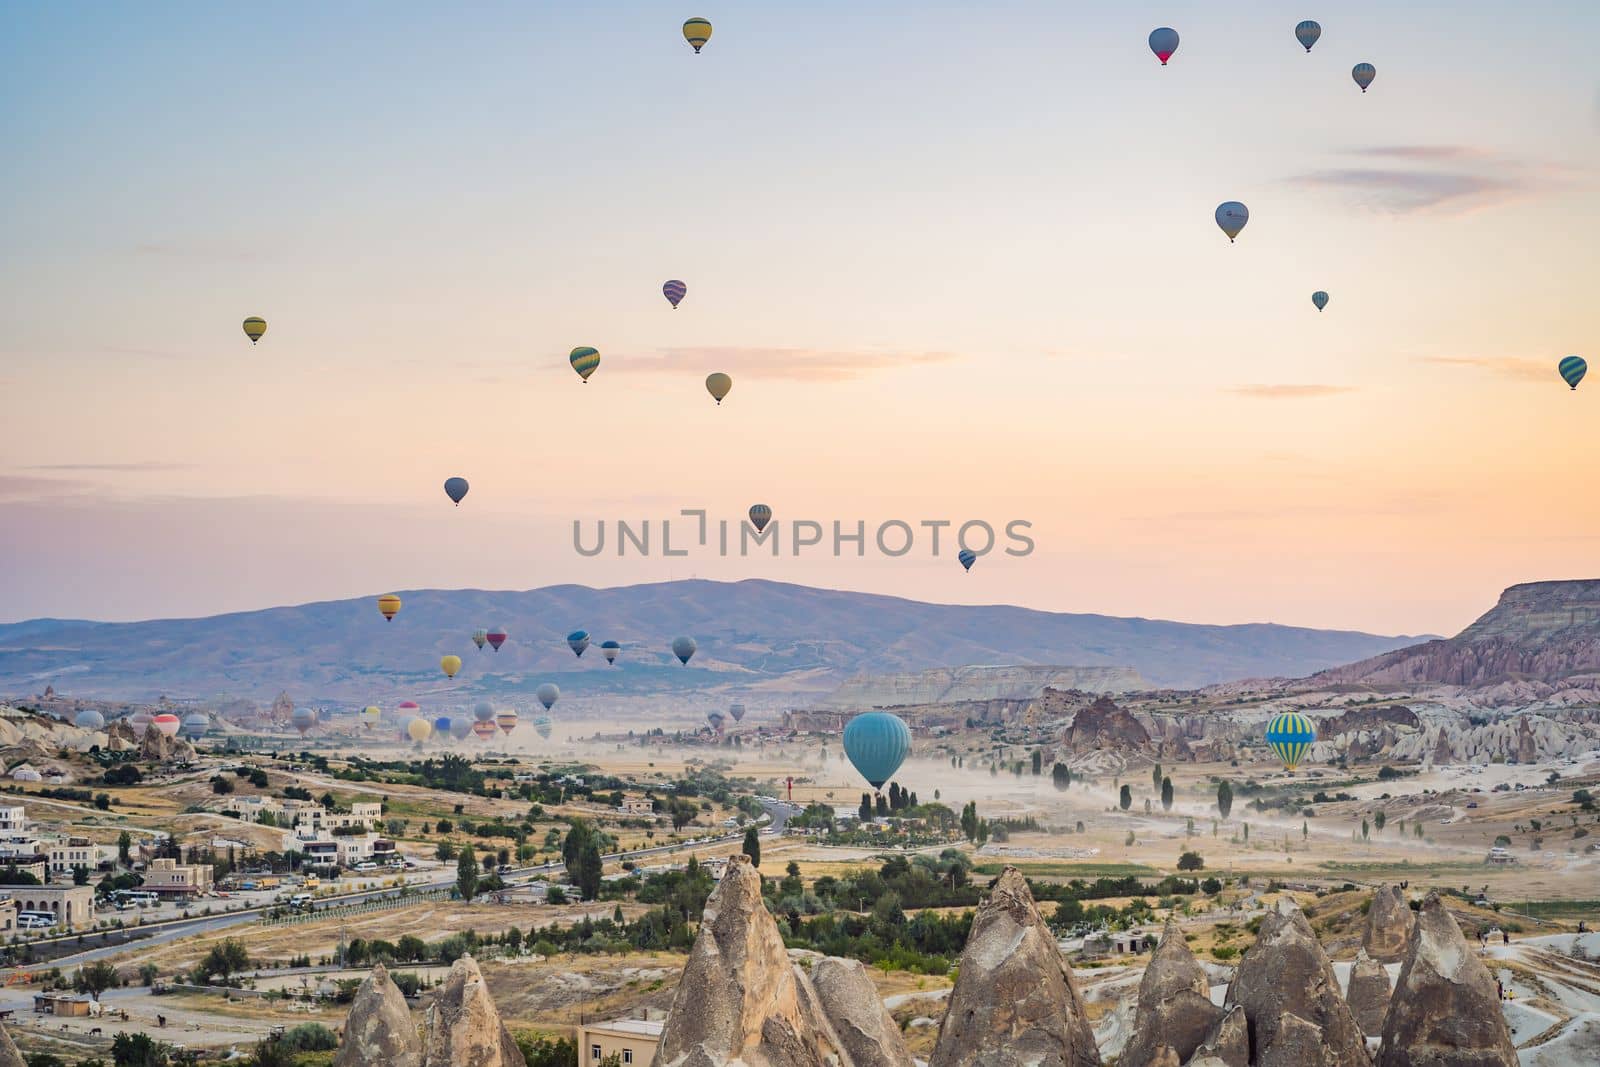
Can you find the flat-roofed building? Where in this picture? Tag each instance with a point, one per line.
(72, 905)
(169, 879)
(68, 852)
(633, 1041)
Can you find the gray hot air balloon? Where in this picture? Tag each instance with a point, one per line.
(716, 719)
(760, 515)
(303, 719)
(1363, 73)
(1232, 216)
(1308, 33)
(543, 726)
(683, 648)
(483, 711)
(195, 724)
(547, 694)
(460, 727)
(455, 489)
(737, 711)
(89, 719)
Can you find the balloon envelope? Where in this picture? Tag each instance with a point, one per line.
(460, 727)
(140, 721)
(609, 650)
(697, 32)
(578, 640)
(718, 385)
(683, 648)
(1289, 735)
(877, 743)
(1307, 33)
(455, 489)
(483, 711)
(370, 715)
(89, 719)
(674, 291)
(547, 694)
(543, 725)
(716, 719)
(302, 719)
(254, 327)
(497, 637)
(967, 558)
(506, 720)
(389, 606)
(1164, 42)
(441, 725)
(1232, 216)
(450, 664)
(1320, 299)
(194, 725)
(1363, 73)
(483, 730)
(737, 711)
(760, 515)
(419, 729)
(584, 360)
(1572, 370)
(480, 638)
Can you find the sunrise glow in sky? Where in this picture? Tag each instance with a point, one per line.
(960, 264)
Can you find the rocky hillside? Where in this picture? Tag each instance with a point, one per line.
(949, 685)
(1543, 633)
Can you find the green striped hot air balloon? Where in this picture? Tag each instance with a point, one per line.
(1572, 369)
(1289, 735)
(697, 31)
(584, 360)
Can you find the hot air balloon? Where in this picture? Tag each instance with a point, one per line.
(547, 694)
(1289, 735)
(1164, 42)
(506, 720)
(254, 328)
(584, 360)
(1572, 370)
(609, 650)
(483, 730)
(967, 558)
(1232, 216)
(718, 385)
(195, 725)
(89, 719)
(388, 606)
(578, 640)
(450, 664)
(441, 726)
(140, 721)
(408, 706)
(455, 489)
(460, 727)
(370, 716)
(497, 637)
(543, 725)
(303, 719)
(716, 719)
(737, 711)
(419, 729)
(674, 291)
(480, 638)
(760, 515)
(483, 711)
(1320, 299)
(683, 648)
(877, 743)
(1363, 73)
(697, 31)
(1307, 33)
(167, 723)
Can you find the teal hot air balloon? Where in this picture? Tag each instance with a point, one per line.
(578, 640)
(455, 489)
(760, 515)
(1363, 73)
(1320, 299)
(609, 650)
(1164, 42)
(877, 743)
(1572, 369)
(967, 557)
(1308, 33)
(1289, 735)
(683, 648)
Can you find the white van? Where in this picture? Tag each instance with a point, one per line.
(301, 900)
(35, 920)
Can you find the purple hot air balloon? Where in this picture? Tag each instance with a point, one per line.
(674, 291)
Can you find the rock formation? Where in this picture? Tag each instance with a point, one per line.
(852, 1004)
(1014, 1003)
(1389, 922)
(1291, 1000)
(1445, 1011)
(1368, 993)
(462, 1027)
(740, 1001)
(952, 685)
(157, 747)
(9, 1056)
(1174, 1012)
(378, 1031)
(1228, 1043)
(1106, 725)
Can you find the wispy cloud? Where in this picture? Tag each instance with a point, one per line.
(143, 467)
(1504, 366)
(1442, 179)
(1289, 392)
(792, 364)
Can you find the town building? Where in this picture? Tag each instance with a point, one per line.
(8, 918)
(633, 1041)
(65, 1004)
(637, 806)
(17, 841)
(171, 880)
(72, 905)
(69, 852)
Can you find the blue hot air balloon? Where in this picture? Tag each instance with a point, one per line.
(1363, 73)
(455, 489)
(1320, 299)
(967, 558)
(1232, 217)
(578, 640)
(441, 725)
(877, 743)
(1289, 735)
(1307, 33)
(1572, 369)
(683, 648)
(674, 291)
(609, 650)
(1164, 42)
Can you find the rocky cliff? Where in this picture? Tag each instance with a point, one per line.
(378, 1031)
(1174, 1014)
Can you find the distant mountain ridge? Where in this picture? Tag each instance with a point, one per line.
(949, 685)
(1545, 632)
(770, 643)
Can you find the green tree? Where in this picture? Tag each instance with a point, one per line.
(1166, 794)
(866, 807)
(1247, 833)
(467, 873)
(752, 846)
(133, 1049)
(1378, 819)
(1224, 798)
(590, 871)
(1060, 777)
(95, 978)
(1365, 829)
(124, 847)
(80, 874)
(1305, 831)
(1125, 798)
(221, 786)
(225, 959)
(1155, 777)
(1038, 761)
(1191, 861)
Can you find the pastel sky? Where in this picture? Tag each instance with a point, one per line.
(960, 262)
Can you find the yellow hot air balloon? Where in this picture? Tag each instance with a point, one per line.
(389, 606)
(419, 729)
(718, 385)
(450, 664)
(254, 328)
(697, 32)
